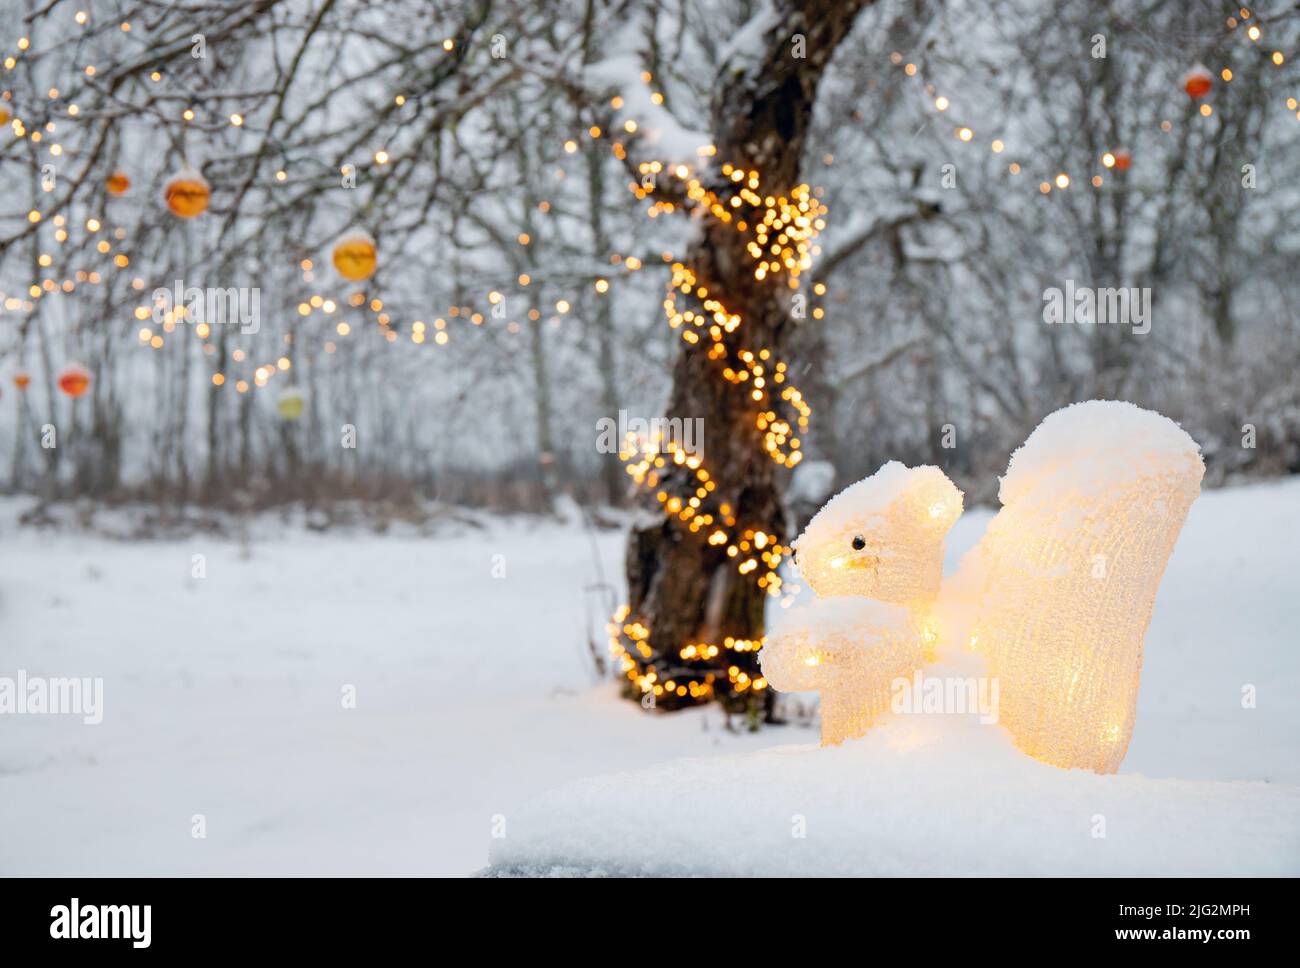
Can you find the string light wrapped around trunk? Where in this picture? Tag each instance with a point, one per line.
(781, 231)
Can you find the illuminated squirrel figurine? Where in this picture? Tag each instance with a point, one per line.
(874, 556)
(1057, 595)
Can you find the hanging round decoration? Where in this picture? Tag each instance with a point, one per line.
(74, 380)
(1123, 159)
(355, 256)
(187, 193)
(1198, 81)
(289, 405)
(118, 184)
(22, 380)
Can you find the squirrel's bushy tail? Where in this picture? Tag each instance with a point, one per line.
(1062, 585)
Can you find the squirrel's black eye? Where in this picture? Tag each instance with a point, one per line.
(859, 543)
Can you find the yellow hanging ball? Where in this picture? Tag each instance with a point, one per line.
(355, 256)
(290, 404)
(187, 193)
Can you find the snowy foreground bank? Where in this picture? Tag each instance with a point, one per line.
(919, 796)
(474, 696)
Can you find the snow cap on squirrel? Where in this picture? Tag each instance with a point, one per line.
(1095, 446)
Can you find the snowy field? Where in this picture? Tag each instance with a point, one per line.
(223, 696)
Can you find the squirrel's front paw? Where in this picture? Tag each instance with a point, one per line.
(850, 650)
(810, 647)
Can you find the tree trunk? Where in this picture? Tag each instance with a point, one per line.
(612, 477)
(215, 469)
(683, 590)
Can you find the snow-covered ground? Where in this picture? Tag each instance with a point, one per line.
(224, 695)
(918, 795)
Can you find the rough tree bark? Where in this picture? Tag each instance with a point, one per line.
(680, 587)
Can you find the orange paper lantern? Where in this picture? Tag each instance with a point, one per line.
(75, 380)
(118, 184)
(187, 193)
(21, 380)
(355, 256)
(1198, 81)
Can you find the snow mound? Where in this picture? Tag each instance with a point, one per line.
(1095, 445)
(920, 795)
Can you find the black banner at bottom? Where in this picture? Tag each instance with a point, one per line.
(335, 916)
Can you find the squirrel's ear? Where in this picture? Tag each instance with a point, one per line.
(940, 504)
